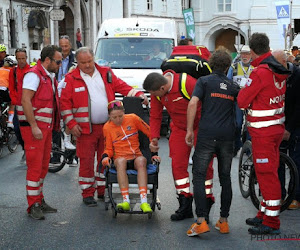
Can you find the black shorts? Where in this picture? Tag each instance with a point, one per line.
(4, 96)
(130, 165)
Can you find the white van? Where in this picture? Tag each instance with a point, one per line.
(135, 47)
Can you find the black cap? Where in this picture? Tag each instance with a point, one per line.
(295, 48)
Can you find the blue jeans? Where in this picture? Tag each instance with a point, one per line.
(204, 152)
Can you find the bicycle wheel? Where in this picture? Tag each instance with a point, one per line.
(245, 166)
(55, 167)
(12, 142)
(289, 183)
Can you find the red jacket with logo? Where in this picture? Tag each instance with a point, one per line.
(75, 100)
(44, 102)
(16, 76)
(175, 104)
(264, 97)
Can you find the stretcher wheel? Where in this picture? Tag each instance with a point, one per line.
(158, 206)
(149, 216)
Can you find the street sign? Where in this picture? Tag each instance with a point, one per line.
(57, 15)
(188, 16)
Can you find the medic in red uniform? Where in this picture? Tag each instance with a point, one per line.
(263, 97)
(173, 91)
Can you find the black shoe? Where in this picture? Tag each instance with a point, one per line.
(46, 208)
(185, 208)
(254, 221)
(209, 203)
(263, 229)
(90, 201)
(36, 212)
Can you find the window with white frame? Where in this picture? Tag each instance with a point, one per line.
(164, 5)
(149, 5)
(185, 4)
(224, 5)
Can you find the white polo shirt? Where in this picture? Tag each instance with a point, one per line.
(32, 81)
(98, 97)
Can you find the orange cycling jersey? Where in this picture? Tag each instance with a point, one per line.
(4, 77)
(123, 140)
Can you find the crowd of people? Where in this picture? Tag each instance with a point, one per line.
(207, 113)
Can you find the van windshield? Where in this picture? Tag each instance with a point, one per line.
(133, 53)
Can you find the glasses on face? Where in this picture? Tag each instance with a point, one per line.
(114, 103)
(58, 62)
(65, 37)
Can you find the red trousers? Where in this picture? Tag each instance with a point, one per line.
(37, 159)
(86, 146)
(266, 163)
(180, 154)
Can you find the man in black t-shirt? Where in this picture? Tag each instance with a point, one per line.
(216, 135)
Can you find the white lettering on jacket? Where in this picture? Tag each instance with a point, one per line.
(277, 99)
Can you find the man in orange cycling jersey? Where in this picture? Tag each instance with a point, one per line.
(122, 145)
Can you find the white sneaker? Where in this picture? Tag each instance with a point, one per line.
(10, 125)
(69, 145)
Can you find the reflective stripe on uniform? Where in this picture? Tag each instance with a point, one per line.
(69, 118)
(262, 208)
(272, 203)
(43, 119)
(182, 181)
(22, 117)
(45, 110)
(85, 186)
(19, 108)
(263, 124)
(208, 191)
(66, 112)
(82, 119)
(185, 190)
(208, 182)
(85, 179)
(100, 183)
(272, 213)
(80, 110)
(33, 183)
(33, 192)
(100, 175)
(263, 113)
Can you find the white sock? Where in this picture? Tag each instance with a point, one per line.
(10, 117)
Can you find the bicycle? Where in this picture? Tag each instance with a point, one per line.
(246, 170)
(7, 135)
(65, 156)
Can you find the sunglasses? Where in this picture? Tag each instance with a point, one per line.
(65, 37)
(114, 104)
(20, 50)
(58, 62)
